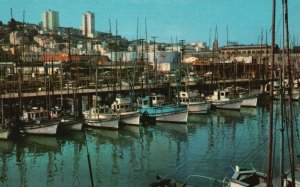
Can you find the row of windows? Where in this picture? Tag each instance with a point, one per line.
(246, 52)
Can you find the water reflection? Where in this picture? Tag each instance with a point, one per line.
(207, 145)
(134, 131)
(41, 143)
(6, 147)
(179, 131)
(249, 112)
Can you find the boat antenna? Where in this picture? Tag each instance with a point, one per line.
(11, 13)
(270, 158)
(89, 160)
(227, 35)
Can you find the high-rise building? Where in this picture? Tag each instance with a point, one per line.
(88, 24)
(51, 20)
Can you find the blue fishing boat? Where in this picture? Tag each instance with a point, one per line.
(154, 109)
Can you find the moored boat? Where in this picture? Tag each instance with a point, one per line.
(38, 122)
(70, 123)
(221, 99)
(101, 117)
(153, 109)
(195, 103)
(127, 110)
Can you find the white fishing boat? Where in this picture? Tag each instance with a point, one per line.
(68, 122)
(101, 117)
(196, 104)
(153, 109)
(288, 179)
(222, 99)
(127, 110)
(38, 122)
(247, 177)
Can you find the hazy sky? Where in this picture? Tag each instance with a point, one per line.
(191, 20)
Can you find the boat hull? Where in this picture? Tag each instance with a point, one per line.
(199, 108)
(43, 129)
(176, 117)
(130, 118)
(70, 124)
(170, 113)
(249, 102)
(112, 124)
(228, 105)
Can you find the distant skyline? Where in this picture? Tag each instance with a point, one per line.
(191, 20)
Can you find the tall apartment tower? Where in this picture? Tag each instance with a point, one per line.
(88, 24)
(50, 20)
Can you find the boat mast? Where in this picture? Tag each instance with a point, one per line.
(282, 99)
(270, 159)
(154, 62)
(290, 82)
(147, 58)
(179, 69)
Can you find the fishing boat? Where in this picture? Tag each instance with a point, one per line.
(246, 177)
(295, 91)
(71, 123)
(154, 109)
(249, 98)
(101, 117)
(68, 122)
(195, 103)
(223, 99)
(127, 110)
(38, 121)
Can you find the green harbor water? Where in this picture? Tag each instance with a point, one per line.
(208, 145)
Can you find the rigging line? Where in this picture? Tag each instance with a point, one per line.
(277, 113)
(255, 150)
(89, 161)
(186, 163)
(297, 129)
(239, 143)
(207, 151)
(288, 141)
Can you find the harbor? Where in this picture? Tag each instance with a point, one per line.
(161, 94)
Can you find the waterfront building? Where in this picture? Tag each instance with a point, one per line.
(88, 24)
(166, 61)
(50, 20)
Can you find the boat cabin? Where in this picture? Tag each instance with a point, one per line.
(153, 100)
(157, 100)
(35, 115)
(100, 110)
(221, 95)
(122, 104)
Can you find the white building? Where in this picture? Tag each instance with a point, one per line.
(88, 24)
(50, 20)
